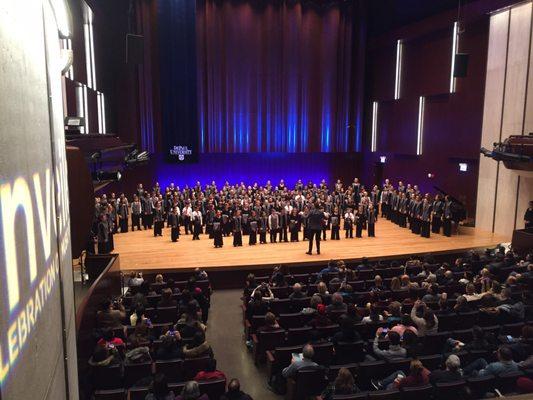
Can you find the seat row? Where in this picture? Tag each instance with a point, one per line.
(214, 390)
(128, 375)
(311, 382)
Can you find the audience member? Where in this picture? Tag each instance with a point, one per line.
(428, 322)
(234, 392)
(199, 347)
(481, 367)
(159, 389)
(210, 373)
(418, 376)
(452, 373)
(191, 391)
(305, 361)
(344, 384)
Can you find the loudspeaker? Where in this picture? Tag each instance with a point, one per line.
(461, 65)
(134, 49)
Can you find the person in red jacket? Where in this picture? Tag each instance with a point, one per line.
(211, 373)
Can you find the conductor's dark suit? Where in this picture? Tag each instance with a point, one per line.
(315, 220)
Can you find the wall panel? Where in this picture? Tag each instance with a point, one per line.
(492, 113)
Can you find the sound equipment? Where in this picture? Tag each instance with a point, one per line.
(461, 65)
(134, 49)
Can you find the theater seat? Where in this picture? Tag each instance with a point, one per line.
(480, 385)
(451, 390)
(384, 395)
(117, 394)
(267, 341)
(105, 378)
(133, 373)
(214, 389)
(506, 383)
(417, 393)
(333, 370)
(172, 369)
(349, 352)
(299, 336)
(308, 382)
(356, 396)
(138, 393)
(192, 366)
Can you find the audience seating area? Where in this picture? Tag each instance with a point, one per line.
(359, 288)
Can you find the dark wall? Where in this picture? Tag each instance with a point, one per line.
(452, 122)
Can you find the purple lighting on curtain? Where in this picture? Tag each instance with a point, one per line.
(275, 76)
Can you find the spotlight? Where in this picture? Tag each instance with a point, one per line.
(463, 167)
(134, 157)
(382, 159)
(100, 176)
(431, 176)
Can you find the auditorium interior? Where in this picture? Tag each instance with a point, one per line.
(266, 199)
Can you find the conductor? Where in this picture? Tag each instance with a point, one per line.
(315, 219)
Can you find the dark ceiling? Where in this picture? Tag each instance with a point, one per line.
(387, 15)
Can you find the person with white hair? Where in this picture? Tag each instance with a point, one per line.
(452, 372)
(191, 391)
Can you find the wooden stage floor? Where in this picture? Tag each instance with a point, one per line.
(140, 250)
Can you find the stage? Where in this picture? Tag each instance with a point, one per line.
(140, 250)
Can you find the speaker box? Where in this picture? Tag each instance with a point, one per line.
(461, 65)
(134, 49)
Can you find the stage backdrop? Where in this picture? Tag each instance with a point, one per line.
(271, 76)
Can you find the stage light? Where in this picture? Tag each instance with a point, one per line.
(398, 74)
(463, 167)
(100, 176)
(420, 130)
(431, 175)
(455, 46)
(382, 159)
(373, 145)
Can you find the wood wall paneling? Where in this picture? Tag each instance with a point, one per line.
(492, 113)
(514, 98)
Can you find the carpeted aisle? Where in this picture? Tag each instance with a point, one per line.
(225, 334)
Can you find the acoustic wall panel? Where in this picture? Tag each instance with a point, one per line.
(492, 112)
(507, 111)
(513, 112)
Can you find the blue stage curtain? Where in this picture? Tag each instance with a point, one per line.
(278, 75)
(178, 75)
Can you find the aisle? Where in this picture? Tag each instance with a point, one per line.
(225, 334)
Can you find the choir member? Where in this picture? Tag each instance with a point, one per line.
(349, 218)
(158, 220)
(273, 225)
(284, 224)
(425, 215)
(136, 212)
(103, 235)
(528, 216)
(436, 214)
(186, 214)
(252, 240)
(263, 228)
(371, 221)
(237, 229)
(209, 217)
(146, 205)
(447, 217)
(335, 221)
(123, 213)
(111, 228)
(217, 229)
(294, 224)
(196, 223)
(174, 221)
(359, 221)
